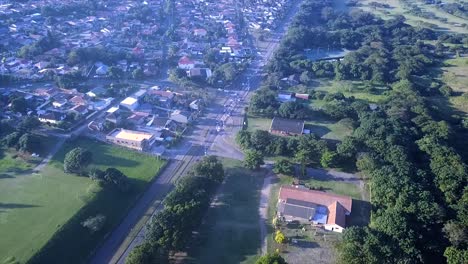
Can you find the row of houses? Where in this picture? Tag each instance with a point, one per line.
(119, 27)
(148, 117)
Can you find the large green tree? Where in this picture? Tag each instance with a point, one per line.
(76, 160)
(253, 159)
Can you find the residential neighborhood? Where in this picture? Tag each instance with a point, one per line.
(222, 131)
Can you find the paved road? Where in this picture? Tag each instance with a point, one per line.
(205, 139)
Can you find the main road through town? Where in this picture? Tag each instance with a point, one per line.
(221, 120)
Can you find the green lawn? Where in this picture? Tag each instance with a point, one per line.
(258, 123)
(455, 74)
(323, 128)
(352, 88)
(398, 9)
(231, 233)
(35, 206)
(11, 164)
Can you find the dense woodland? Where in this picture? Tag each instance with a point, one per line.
(417, 178)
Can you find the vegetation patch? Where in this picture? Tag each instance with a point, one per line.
(230, 233)
(56, 203)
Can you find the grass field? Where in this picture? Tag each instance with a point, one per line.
(35, 206)
(455, 74)
(396, 8)
(231, 231)
(351, 88)
(323, 128)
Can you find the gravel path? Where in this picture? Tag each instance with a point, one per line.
(263, 210)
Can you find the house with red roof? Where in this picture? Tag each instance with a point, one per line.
(297, 203)
(186, 63)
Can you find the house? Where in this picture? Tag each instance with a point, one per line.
(79, 110)
(77, 100)
(137, 118)
(181, 116)
(130, 103)
(131, 139)
(113, 115)
(186, 63)
(158, 123)
(302, 96)
(203, 73)
(51, 117)
(283, 126)
(286, 97)
(195, 105)
(319, 208)
(96, 92)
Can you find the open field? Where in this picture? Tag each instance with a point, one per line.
(230, 233)
(52, 201)
(455, 74)
(333, 130)
(352, 88)
(396, 8)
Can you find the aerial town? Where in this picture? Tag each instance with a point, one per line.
(252, 131)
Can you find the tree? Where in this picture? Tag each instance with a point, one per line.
(303, 157)
(29, 123)
(279, 237)
(456, 256)
(11, 139)
(284, 166)
(76, 160)
(29, 143)
(271, 259)
(115, 72)
(19, 105)
(456, 233)
(260, 139)
(117, 178)
(96, 174)
(243, 139)
(138, 74)
(147, 253)
(253, 159)
(94, 223)
(328, 159)
(210, 167)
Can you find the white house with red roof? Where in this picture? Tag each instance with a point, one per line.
(186, 63)
(296, 203)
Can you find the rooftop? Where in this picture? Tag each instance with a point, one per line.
(287, 125)
(130, 135)
(129, 101)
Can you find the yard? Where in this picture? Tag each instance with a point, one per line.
(325, 129)
(230, 233)
(35, 206)
(312, 243)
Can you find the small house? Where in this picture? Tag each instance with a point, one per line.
(284, 126)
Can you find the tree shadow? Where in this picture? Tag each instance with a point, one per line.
(317, 129)
(305, 244)
(6, 176)
(16, 206)
(360, 213)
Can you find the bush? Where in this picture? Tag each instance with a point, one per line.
(94, 223)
